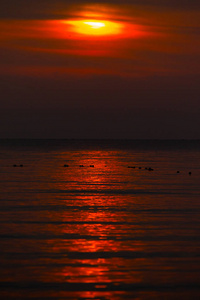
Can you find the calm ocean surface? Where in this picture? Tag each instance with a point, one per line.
(103, 226)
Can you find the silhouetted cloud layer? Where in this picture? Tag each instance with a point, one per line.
(49, 9)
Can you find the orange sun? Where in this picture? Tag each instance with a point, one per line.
(94, 27)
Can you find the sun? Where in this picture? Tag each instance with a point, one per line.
(94, 27)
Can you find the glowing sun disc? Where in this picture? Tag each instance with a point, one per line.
(94, 27)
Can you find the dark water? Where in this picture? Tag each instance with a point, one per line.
(109, 229)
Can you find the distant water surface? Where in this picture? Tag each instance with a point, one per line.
(99, 219)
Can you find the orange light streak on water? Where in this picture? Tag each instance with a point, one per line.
(75, 228)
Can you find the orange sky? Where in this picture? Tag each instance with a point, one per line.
(151, 41)
(134, 44)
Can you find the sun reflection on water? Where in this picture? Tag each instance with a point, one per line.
(97, 244)
(96, 228)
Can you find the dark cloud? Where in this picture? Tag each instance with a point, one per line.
(101, 123)
(49, 9)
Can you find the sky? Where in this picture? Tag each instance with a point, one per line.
(101, 69)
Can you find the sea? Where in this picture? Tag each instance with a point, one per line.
(99, 219)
